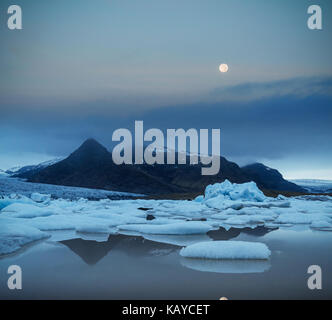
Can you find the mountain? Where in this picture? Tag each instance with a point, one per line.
(91, 166)
(315, 185)
(3, 173)
(269, 178)
(32, 168)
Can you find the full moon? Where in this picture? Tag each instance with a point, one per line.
(223, 67)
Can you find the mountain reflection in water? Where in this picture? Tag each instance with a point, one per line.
(223, 234)
(91, 251)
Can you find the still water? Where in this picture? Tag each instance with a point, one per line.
(130, 267)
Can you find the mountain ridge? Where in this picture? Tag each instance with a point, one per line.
(91, 166)
(269, 178)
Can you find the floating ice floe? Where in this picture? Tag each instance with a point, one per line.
(25, 210)
(227, 250)
(227, 266)
(178, 240)
(301, 218)
(38, 197)
(13, 236)
(13, 198)
(93, 228)
(181, 228)
(321, 225)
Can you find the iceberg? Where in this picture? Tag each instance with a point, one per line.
(227, 195)
(232, 191)
(227, 250)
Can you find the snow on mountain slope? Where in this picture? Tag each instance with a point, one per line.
(42, 165)
(3, 173)
(315, 185)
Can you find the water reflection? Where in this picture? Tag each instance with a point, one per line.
(227, 266)
(223, 234)
(91, 251)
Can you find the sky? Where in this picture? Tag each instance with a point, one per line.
(82, 69)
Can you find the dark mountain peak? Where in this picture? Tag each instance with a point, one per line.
(90, 149)
(92, 145)
(269, 178)
(91, 166)
(257, 165)
(262, 169)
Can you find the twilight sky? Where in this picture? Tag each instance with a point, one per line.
(82, 69)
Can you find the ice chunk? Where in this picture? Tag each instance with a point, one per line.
(232, 191)
(93, 228)
(25, 210)
(249, 219)
(117, 219)
(190, 227)
(38, 197)
(226, 250)
(300, 218)
(178, 240)
(13, 198)
(321, 224)
(68, 222)
(199, 198)
(14, 236)
(55, 222)
(238, 196)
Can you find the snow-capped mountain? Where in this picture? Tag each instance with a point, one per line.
(3, 173)
(315, 185)
(91, 166)
(24, 169)
(270, 178)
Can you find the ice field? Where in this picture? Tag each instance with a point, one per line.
(26, 218)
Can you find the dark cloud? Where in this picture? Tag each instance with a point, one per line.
(271, 127)
(301, 87)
